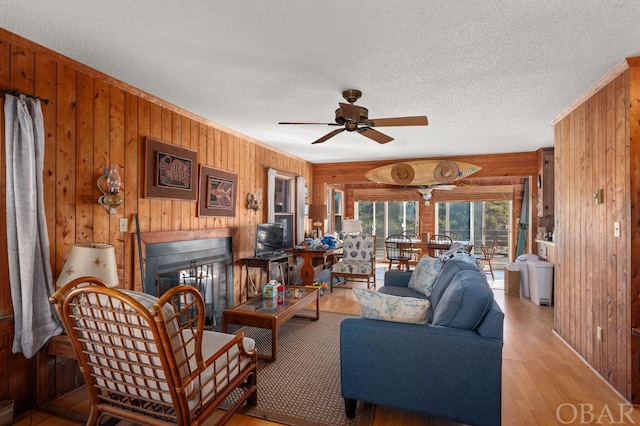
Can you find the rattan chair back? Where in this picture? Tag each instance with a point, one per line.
(149, 360)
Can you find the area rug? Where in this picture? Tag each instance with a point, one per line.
(302, 386)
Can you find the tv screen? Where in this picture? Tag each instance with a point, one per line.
(269, 238)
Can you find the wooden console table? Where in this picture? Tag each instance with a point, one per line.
(307, 272)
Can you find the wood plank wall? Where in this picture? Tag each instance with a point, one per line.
(93, 121)
(594, 284)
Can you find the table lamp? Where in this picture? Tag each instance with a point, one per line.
(90, 259)
(318, 213)
(351, 226)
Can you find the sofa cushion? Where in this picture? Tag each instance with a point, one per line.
(465, 302)
(424, 275)
(379, 306)
(449, 270)
(401, 291)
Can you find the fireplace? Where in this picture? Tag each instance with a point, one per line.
(202, 259)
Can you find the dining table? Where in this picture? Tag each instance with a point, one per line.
(433, 248)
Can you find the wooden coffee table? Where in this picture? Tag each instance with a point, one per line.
(267, 313)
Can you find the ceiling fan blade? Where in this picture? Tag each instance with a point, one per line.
(420, 120)
(350, 112)
(328, 136)
(325, 124)
(374, 134)
(444, 187)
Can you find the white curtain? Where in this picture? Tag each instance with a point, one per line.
(271, 195)
(300, 201)
(27, 239)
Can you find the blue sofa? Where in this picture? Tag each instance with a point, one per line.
(443, 371)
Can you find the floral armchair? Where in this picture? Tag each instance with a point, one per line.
(358, 260)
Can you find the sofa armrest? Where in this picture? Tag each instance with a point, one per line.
(397, 278)
(441, 371)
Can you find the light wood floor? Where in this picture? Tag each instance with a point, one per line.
(544, 381)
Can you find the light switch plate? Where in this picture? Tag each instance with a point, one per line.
(124, 224)
(616, 229)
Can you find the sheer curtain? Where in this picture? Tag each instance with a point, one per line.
(300, 201)
(27, 239)
(271, 193)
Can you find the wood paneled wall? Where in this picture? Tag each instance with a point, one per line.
(597, 146)
(93, 121)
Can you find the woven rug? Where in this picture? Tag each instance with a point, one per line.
(302, 386)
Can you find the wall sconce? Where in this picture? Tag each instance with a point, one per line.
(253, 201)
(110, 199)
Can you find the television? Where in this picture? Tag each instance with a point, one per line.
(269, 238)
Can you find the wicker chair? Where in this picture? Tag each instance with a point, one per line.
(358, 260)
(148, 360)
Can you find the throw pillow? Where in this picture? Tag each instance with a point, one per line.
(424, 275)
(386, 307)
(465, 302)
(459, 251)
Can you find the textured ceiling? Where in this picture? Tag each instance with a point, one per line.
(490, 75)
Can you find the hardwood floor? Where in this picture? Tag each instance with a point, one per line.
(544, 381)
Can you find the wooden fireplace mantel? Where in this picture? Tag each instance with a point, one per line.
(198, 234)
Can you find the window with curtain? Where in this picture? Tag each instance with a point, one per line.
(284, 207)
(338, 210)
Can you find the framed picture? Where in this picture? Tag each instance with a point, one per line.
(218, 190)
(170, 171)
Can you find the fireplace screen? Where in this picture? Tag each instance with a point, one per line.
(204, 278)
(203, 264)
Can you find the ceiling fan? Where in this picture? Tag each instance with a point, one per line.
(427, 191)
(355, 118)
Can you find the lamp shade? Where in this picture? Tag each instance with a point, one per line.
(317, 211)
(90, 259)
(352, 226)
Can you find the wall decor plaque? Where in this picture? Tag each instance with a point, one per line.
(218, 192)
(170, 171)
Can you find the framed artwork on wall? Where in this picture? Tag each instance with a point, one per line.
(218, 192)
(170, 171)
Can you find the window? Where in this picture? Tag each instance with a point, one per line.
(338, 210)
(283, 201)
(479, 222)
(284, 207)
(385, 218)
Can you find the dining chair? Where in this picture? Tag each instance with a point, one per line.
(442, 240)
(148, 360)
(414, 252)
(396, 250)
(452, 235)
(488, 251)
